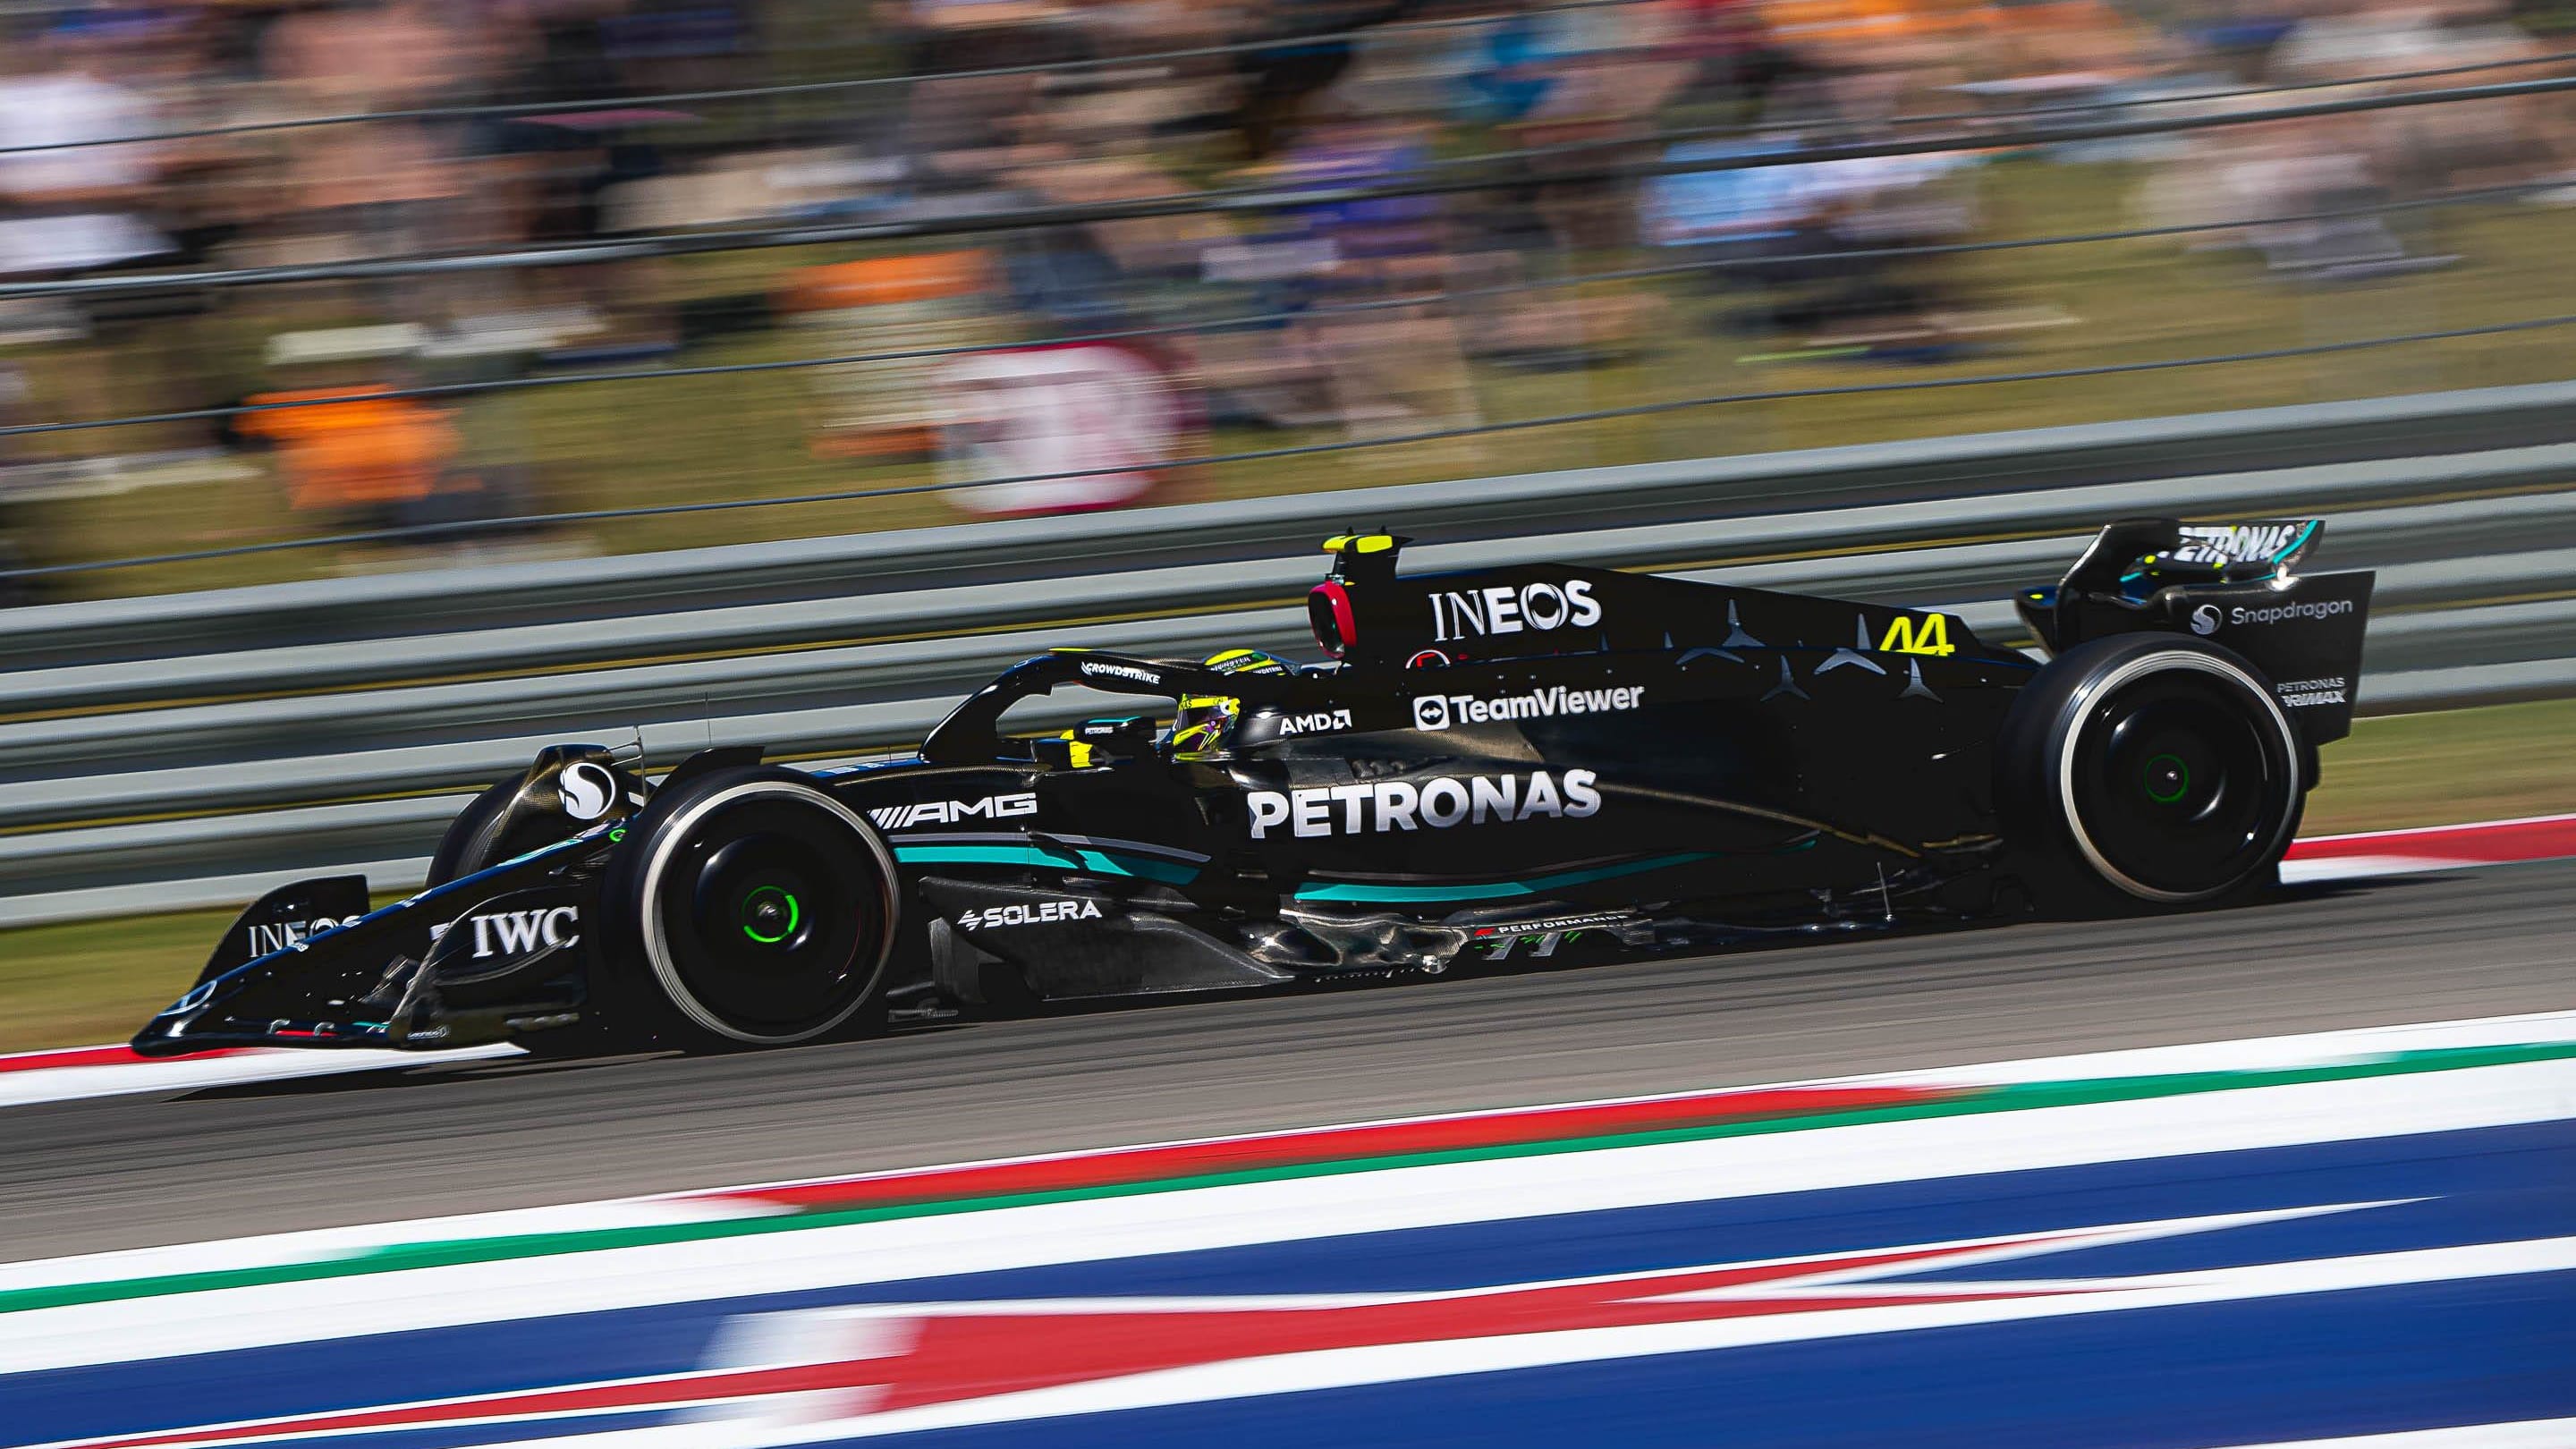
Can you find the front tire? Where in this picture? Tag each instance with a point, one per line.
(2150, 771)
(749, 908)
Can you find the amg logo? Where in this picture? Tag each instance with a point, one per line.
(2213, 543)
(509, 933)
(1503, 610)
(1036, 913)
(949, 812)
(291, 935)
(1322, 720)
(1439, 803)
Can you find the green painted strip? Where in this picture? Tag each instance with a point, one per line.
(1098, 862)
(1978, 1101)
(1538, 886)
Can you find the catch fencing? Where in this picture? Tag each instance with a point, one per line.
(192, 749)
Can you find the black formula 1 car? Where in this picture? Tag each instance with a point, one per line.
(1565, 762)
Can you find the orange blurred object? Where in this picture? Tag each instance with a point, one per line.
(353, 454)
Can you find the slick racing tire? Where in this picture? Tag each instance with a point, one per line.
(748, 908)
(2148, 771)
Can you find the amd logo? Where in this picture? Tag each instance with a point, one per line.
(1501, 610)
(510, 933)
(1317, 723)
(291, 935)
(949, 812)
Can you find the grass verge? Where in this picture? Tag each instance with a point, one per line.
(96, 981)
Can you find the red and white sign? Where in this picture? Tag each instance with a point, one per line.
(1082, 425)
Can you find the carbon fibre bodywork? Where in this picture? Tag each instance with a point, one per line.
(1542, 760)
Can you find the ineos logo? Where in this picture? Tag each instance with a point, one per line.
(587, 790)
(1503, 610)
(291, 935)
(512, 932)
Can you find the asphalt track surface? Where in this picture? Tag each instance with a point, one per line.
(144, 1170)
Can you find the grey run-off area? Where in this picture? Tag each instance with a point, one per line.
(138, 1171)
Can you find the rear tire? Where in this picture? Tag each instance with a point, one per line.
(476, 838)
(747, 908)
(2149, 771)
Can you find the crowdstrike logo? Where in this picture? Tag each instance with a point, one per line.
(1439, 711)
(1031, 914)
(1440, 803)
(1122, 671)
(949, 812)
(2276, 613)
(508, 933)
(1505, 610)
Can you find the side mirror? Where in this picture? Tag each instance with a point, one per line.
(1100, 742)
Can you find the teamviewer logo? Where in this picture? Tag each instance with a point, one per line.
(1431, 712)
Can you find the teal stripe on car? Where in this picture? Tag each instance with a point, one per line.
(1095, 861)
(1497, 890)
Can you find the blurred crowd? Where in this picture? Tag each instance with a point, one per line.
(584, 122)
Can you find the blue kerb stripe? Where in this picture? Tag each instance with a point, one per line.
(1097, 862)
(1538, 886)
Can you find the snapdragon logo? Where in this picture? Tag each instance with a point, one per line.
(1440, 803)
(2275, 613)
(1440, 711)
(2204, 620)
(587, 790)
(1031, 914)
(949, 812)
(1505, 610)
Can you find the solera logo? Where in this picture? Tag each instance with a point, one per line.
(1503, 610)
(512, 932)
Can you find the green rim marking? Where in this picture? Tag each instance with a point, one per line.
(795, 913)
(2180, 789)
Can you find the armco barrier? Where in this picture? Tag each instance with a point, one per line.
(276, 760)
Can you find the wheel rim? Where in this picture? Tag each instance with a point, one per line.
(768, 919)
(2179, 778)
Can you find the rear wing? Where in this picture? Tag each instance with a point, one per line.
(2236, 584)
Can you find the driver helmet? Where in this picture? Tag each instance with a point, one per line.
(1201, 723)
